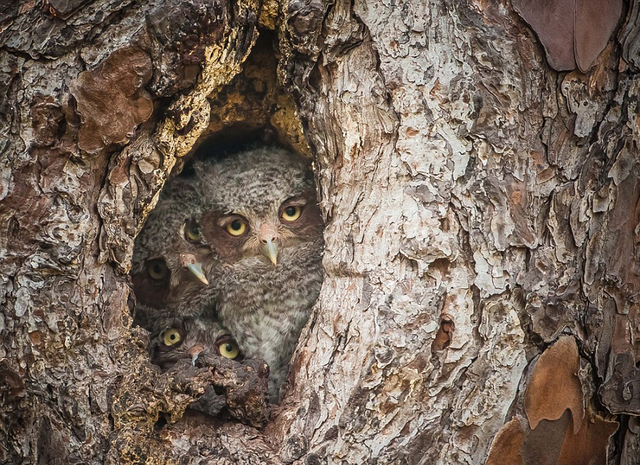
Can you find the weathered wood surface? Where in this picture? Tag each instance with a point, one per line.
(482, 221)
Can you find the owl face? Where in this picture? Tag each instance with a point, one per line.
(270, 213)
(263, 238)
(185, 338)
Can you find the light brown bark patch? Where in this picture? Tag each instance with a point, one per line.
(555, 386)
(589, 444)
(507, 445)
(111, 100)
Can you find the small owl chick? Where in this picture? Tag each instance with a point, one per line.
(264, 227)
(167, 274)
(185, 338)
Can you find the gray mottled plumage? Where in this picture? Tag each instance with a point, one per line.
(264, 305)
(163, 245)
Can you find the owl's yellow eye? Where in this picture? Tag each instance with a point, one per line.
(291, 213)
(237, 227)
(171, 337)
(157, 269)
(229, 349)
(193, 232)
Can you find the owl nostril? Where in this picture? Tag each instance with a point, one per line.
(195, 350)
(187, 259)
(267, 233)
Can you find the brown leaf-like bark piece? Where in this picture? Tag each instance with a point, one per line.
(589, 445)
(595, 22)
(507, 445)
(554, 385)
(553, 22)
(111, 100)
(572, 32)
(444, 335)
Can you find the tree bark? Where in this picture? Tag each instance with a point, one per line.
(482, 267)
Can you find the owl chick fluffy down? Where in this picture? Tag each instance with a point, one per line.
(251, 231)
(185, 338)
(167, 275)
(262, 223)
(242, 385)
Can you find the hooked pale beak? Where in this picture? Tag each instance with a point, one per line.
(270, 249)
(267, 236)
(194, 352)
(196, 269)
(189, 262)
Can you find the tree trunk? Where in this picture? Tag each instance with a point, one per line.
(482, 264)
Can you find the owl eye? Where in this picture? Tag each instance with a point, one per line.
(237, 227)
(192, 232)
(229, 349)
(171, 337)
(291, 213)
(157, 269)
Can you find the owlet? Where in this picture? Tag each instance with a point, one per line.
(263, 225)
(167, 274)
(182, 338)
(186, 338)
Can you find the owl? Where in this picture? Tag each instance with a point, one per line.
(263, 225)
(178, 339)
(167, 272)
(181, 339)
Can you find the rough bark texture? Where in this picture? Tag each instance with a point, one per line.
(482, 239)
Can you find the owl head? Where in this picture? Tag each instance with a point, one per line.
(260, 208)
(166, 270)
(186, 338)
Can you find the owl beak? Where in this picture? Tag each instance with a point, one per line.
(196, 269)
(270, 249)
(268, 235)
(189, 262)
(194, 352)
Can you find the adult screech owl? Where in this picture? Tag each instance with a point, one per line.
(262, 222)
(167, 274)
